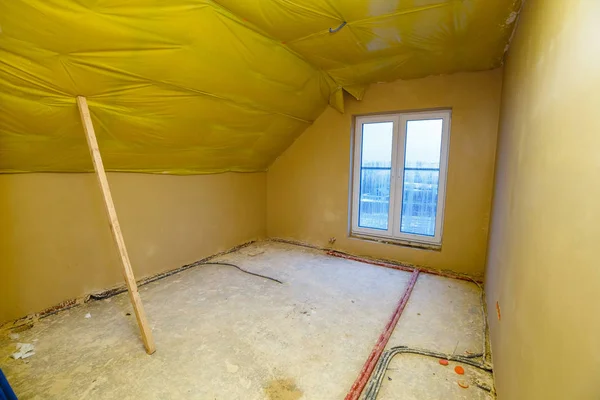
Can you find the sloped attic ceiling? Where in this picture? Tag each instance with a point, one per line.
(194, 86)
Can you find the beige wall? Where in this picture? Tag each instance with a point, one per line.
(543, 266)
(307, 185)
(55, 242)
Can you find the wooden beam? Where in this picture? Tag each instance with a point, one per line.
(134, 296)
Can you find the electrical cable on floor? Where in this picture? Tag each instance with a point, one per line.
(376, 380)
(113, 292)
(107, 293)
(486, 348)
(374, 385)
(375, 356)
(241, 269)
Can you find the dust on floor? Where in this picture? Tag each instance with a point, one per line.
(223, 334)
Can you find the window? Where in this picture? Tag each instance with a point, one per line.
(399, 176)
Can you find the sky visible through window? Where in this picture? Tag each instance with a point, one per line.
(420, 178)
(424, 143)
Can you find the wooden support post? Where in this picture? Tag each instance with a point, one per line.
(134, 296)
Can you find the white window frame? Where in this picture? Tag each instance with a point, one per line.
(397, 175)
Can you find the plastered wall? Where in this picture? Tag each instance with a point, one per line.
(55, 241)
(543, 266)
(308, 184)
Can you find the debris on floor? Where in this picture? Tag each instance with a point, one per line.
(24, 350)
(275, 326)
(14, 336)
(463, 384)
(88, 315)
(483, 385)
(459, 370)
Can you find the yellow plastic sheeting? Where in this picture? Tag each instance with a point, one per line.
(194, 86)
(385, 40)
(178, 88)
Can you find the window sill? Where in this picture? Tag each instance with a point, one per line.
(396, 242)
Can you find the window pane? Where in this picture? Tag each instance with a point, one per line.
(375, 172)
(421, 176)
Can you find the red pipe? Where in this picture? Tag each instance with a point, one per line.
(402, 267)
(371, 362)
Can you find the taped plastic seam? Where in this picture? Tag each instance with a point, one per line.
(196, 86)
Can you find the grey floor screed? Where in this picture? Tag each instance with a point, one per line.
(223, 334)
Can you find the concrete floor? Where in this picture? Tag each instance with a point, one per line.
(443, 315)
(223, 334)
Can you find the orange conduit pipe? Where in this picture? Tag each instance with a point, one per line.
(402, 267)
(371, 362)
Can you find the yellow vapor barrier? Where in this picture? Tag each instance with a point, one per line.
(187, 87)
